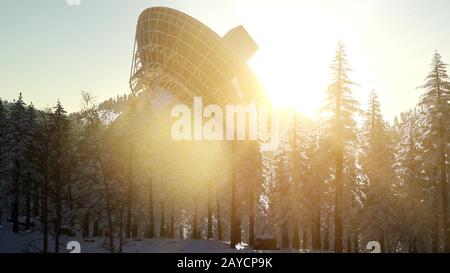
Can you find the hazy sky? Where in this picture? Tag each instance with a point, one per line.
(51, 50)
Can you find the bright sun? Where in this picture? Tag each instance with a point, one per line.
(289, 84)
(293, 63)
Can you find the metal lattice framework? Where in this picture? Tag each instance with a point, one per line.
(178, 53)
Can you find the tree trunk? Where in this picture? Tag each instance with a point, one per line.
(44, 195)
(28, 209)
(107, 196)
(295, 162)
(181, 232)
(295, 234)
(338, 231)
(435, 233)
(251, 218)
(86, 225)
(121, 243)
(349, 244)
(15, 215)
(45, 204)
(444, 191)
(35, 200)
(317, 238)
(162, 230)
(355, 244)
(58, 204)
(135, 230)
(172, 224)
(130, 195)
(151, 219)
(305, 237)
(284, 234)
(383, 244)
(70, 201)
(326, 243)
(209, 234)
(15, 204)
(194, 235)
(388, 248)
(235, 223)
(413, 245)
(129, 215)
(219, 220)
(96, 230)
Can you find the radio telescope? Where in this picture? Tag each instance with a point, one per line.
(177, 53)
(177, 58)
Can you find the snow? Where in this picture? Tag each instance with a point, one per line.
(108, 117)
(31, 242)
(17, 243)
(166, 246)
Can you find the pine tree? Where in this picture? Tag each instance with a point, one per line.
(235, 204)
(59, 127)
(301, 189)
(414, 202)
(16, 150)
(2, 125)
(2, 156)
(377, 162)
(132, 130)
(252, 164)
(31, 186)
(151, 209)
(435, 102)
(95, 149)
(42, 156)
(315, 181)
(282, 192)
(295, 155)
(341, 129)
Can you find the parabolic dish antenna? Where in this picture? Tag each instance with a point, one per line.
(176, 52)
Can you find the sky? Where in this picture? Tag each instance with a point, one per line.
(51, 50)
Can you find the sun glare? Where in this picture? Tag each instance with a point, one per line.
(289, 84)
(293, 63)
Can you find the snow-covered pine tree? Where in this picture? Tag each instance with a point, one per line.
(341, 126)
(2, 158)
(99, 172)
(42, 149)
(289, 191)
(301, 191)
(59, 127)
(414, 197)
(252, 169)
(435, 103)
(281, 189)
(317, 184)
(267, 225)
(17, 138)
(377, 162)
(31, 176)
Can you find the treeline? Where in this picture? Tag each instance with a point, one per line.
(112, 171)
(344, 184)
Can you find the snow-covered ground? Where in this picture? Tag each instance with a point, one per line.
(164, 246)
(31, 242)
(14, 243)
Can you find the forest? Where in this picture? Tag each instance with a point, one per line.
(335, 183)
